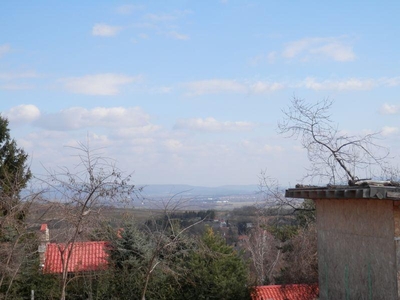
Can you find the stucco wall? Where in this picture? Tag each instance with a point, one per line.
(356, 249)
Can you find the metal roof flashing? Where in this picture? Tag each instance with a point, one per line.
(345, 192)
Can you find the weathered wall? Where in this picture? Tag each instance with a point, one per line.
(396, 216)
(356, 249)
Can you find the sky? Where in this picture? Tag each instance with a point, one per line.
(190, 92)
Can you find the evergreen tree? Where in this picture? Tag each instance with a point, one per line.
(136, 254)
(305, 215)
(15, 240)
(14, 172)
(217, 271)
(184, 269)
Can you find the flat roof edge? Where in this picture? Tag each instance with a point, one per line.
(349, 192)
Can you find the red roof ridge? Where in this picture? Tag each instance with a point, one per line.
(81, 243)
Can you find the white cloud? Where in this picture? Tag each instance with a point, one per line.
(164, 24)
(263, 87)
(177, 36)
(390, 109)
(389, 130)
(212, 125)
(215, 86)
(294, 48)
(173, 144)
(161, 90)
(390, 82)
(336, 48)
(218, 86)
(160, 17)
(75, 118)
(270, 148)
(4, 49)
(18, 75)
(128, 9)
(23, 113)
(270, 58)
(347, 84)
(16, 87)
(105, 30)
(336, 51)
(106, 84)
(125, 132)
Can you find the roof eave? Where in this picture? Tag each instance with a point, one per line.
(345, 192)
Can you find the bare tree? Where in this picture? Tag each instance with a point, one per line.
(296, 248)
(16, 242)
(166, 238)
(95, 180)
(264, 253)
(300, 265)
(334, 155)
(275, 200)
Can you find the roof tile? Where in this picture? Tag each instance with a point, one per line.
(85, 256)
(286, 292)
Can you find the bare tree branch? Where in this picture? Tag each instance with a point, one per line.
(333, 154)
(94, 181)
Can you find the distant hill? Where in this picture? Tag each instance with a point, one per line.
(160, 190)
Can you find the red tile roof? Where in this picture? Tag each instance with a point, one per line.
(85, 256)
(286, 292)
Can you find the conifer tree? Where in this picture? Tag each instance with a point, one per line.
(14, 172)
(14, 239)
(217, 271)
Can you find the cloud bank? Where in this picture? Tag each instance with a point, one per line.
(24, 113)
(212, 125)
(75, 118)
(105, 30)
(107, 84)
(335, 48)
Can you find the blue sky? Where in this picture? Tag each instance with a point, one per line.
(191, 91)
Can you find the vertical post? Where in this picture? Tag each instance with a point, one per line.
(32, 295)
(44, 240)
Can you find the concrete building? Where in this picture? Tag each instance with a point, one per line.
(358, 240)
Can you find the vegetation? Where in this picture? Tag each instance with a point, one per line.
(168, 253)
(15, 240)
(14, 173)
(82, 192)
(158, 259)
